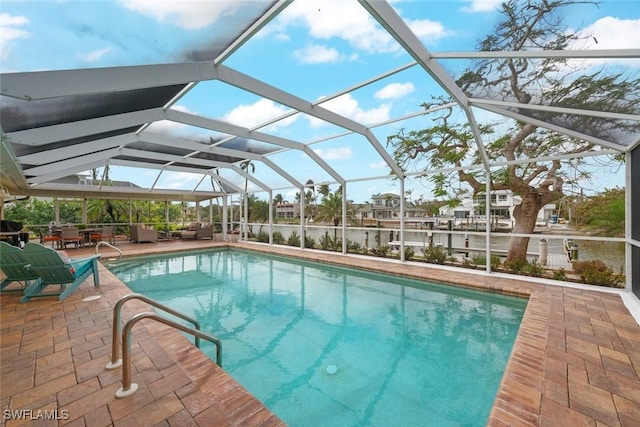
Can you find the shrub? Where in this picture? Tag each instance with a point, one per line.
(435, 254)
(596, 272)
(580, 266)
(533, 269)
(479, 260)
(354, 247)
(516, 266)
(560, 274)
(495, 262)
(408, 252)
(278, 238)
(309, 242)
(325, 241)
(294, 239)
(381, 251)
(263, 237)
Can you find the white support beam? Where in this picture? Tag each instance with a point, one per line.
(264, 90)
(282, 173)
(70, 169)
(542, 54)
(250, 177)
(224, 127)
(263, 20)
(220, 180)
(70, 166)
(50, 84)
(59, 154)
(551, 109)
(543, 124)
(382, 12)
(48, 134)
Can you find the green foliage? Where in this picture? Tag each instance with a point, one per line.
(330, 208)
(278, 238)
(258, 209)
(325, 241)
(435, 254)
(309, 242)
(496, 262)
(604, 212)
(354, 247)
(408, 253)
(533, 268)
(560, 274)
(381, 251)
(596, 272)
(30, 211)
(451, 144)
(330, 243)
(294, 239)
(480, 259)
(263, 237)
(515, 266)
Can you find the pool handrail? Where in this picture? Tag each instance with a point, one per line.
(102, 242)
(116, 362)
(128, 388)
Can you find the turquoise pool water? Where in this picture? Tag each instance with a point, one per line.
(327, 346)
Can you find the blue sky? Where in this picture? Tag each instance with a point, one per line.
(313, 50)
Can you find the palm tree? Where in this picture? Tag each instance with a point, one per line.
(330, 209)
(249, 167)
(310, 197)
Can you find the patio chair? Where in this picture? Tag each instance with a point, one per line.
(54, 237)
(204, 232)
(52, 270)
(106, 233)
(139, 234)
(15, 267)
(70, 235)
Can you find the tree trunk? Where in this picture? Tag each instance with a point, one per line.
(525, 214)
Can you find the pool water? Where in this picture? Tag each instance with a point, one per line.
(328, 346)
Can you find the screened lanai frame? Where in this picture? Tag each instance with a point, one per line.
(62, 122)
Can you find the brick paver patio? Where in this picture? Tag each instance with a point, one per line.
(576, 360)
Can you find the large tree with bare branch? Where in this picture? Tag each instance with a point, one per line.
(449, 143)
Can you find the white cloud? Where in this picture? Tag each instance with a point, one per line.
(191, 15)
(609, 33)
(95, 55)
(347, 106)
(10, 31)
(395, 90)
(341, 153)
(181, 180)
(259, 112)
(315, 54)
(169, 126)
(379, 165)
(337, 19)
(426, 29)
(482, 6)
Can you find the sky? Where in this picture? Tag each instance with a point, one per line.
(313, 49)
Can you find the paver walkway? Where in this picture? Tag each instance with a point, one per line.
(576, 360)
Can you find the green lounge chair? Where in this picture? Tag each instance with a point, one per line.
(52, 270)
(15, 267)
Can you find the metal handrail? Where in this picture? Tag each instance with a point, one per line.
(102, 242)
(128, 388)
(116, 362)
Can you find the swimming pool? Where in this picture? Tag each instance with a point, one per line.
(324, 345)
